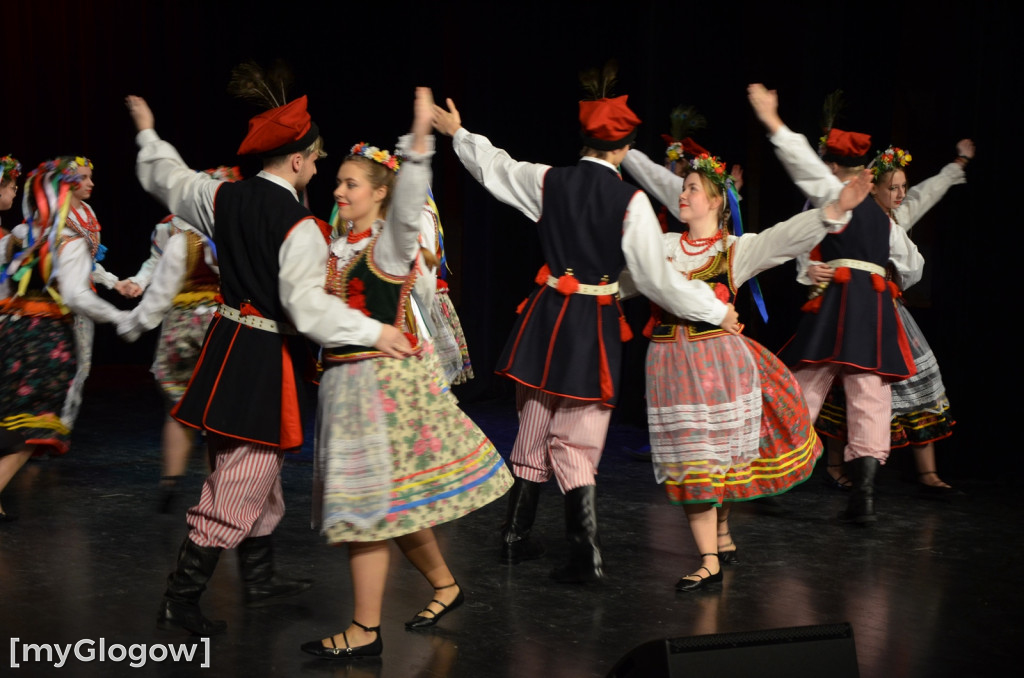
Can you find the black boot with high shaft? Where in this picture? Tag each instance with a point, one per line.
(860, 508)
(263, 586)
(585, 564)
(516, 542)
(180, 607)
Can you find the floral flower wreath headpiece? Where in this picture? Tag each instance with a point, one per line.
(62, 169)
(9, 168)
(392, 162)
(82, 161)
(890, 159)
(712, 167)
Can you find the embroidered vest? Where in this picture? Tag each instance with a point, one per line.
(377, 294)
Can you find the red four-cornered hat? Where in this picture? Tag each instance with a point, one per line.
(850, 148)
(607, 123)
(279, 131)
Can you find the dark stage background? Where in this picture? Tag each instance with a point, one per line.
(914, 75)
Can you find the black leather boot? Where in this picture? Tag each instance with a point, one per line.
(180, 607)
(585, 564)
(516, 544)
(263, 586)
(860, 508)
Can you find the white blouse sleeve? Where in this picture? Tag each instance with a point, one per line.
(657, 180)
(926, 194)
(5, 286)
(399, 242)
(103, 276)
(907, 262)
(652, 274)
(757, 252)
(73, 277)
(807, 170)
(321, 316)
(157, 242)
(518, 184)
(159, 297)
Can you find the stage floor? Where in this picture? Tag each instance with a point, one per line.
(929, 590)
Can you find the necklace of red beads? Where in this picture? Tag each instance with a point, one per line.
(354, 237)
(700, 245)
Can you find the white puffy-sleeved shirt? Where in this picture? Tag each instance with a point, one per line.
(322, 317)
(521, 185)
(813, 177)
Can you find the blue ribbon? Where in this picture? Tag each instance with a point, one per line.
(737, 220)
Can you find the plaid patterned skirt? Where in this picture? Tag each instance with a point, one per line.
(727, 421)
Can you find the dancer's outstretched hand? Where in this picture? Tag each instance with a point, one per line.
(447, 122)
(765, 103)
(965, 148)
(853, 194)
(737, 177)
(139, 110)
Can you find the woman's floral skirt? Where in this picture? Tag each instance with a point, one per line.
(395, 454)
(37, 365)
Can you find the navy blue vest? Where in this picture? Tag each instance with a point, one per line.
(247, 383)
(571, 345)
(252, 219)
(856, 324)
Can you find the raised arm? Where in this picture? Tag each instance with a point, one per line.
(811, 175)
(165, 176)
(926, 194)
(519, 184)
(405, 222)
(757, 252)
(659, 181)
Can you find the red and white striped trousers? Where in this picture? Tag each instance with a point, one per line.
(558, 435)
(868, 405)
(241, 498)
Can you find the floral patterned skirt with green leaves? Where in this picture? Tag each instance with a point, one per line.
(395, 454)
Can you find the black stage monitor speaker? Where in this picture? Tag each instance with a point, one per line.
(811, 651)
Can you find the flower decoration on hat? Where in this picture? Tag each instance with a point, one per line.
(683, 122)
(892, 158)
(10, 168)
(82, 161)
(225, 173)
(392, 162)
(674, 151)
